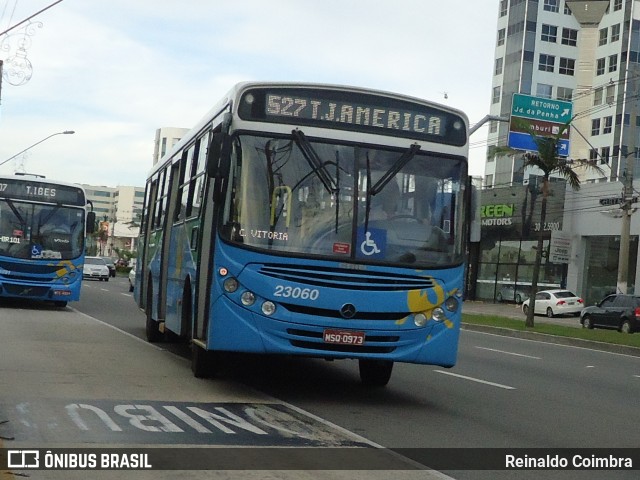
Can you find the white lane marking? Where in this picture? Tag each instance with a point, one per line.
(105, 289)
(418, 466)
(509, 353)
(117, 329)
(126, 294)
(464, 377)
(552, 343)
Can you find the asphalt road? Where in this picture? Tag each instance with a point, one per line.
(71, 380)
(504, 392)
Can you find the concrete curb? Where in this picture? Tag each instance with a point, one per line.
(544, 337)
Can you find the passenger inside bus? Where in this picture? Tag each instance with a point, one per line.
(384, 205)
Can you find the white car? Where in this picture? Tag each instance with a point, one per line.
(555, 302)
(95, 267)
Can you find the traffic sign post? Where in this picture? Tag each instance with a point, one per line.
(544, 117)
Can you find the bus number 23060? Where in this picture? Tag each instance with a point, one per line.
(296, 292)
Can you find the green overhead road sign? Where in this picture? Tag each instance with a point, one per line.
(537, 108)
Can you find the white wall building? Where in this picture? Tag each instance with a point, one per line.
(166, 138)
(118, 209)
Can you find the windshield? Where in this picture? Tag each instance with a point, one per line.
(33, 231)
(347, 202)
(94, 261)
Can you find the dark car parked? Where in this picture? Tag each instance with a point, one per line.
(111, 264)
(620, 312)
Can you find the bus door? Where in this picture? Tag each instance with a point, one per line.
(172, 201)
(211, 203)
(148, 227)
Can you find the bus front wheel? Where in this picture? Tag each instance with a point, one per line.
(152, 328)
(375, 373)
(202, 362)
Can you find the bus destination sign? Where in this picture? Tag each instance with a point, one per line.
(338, 109)
(19, 189)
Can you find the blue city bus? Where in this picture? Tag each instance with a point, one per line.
(43, 225)
(312, 220)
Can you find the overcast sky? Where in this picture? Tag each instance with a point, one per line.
(116, 70)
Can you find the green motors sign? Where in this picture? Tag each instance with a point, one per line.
(497, 214)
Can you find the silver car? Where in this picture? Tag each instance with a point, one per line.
(555, 302)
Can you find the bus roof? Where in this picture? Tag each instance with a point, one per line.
(67, 194)
(239, 88)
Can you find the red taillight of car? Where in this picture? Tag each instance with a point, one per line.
(561, 302)
(580, 300)
(637, 312)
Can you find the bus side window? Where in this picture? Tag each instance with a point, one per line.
(195, 178)
(200, 172)
(162, 200)
(186, 173)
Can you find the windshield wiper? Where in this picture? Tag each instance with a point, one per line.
(395, 168)
(16, 212)
(311, 156)
(386, 178)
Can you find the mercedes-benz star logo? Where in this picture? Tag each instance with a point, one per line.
(348, 310)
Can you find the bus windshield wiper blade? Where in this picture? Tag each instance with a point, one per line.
(386, 178)
(16, 212)
(311, 156)
(395, 168)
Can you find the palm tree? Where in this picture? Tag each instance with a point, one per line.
(547, 160)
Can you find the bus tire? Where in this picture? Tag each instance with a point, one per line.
(186, 326)
(152, 328)
(375, 373)
(202, 362)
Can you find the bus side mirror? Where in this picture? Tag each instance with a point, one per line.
(91, 222)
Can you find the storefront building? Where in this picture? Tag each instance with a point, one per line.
(506, 254)
(587, 220)
(593, 218)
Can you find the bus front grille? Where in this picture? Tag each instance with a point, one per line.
(346, 278)
(19, 290)
(15, 267)
(325, 312)
(311, 340)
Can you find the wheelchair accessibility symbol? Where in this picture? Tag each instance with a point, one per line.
(369, 247)
(372, 243)
(36, 251)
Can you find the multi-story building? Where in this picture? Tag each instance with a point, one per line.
(588, 53)
(118, 210)
(166, 138)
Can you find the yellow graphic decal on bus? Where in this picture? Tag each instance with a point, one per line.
(66, 265)
(427, 299)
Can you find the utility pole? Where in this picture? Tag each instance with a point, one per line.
(627, 199)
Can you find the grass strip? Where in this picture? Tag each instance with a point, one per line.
(597, 335)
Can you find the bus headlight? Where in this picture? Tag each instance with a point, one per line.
(268, 308)
(420, 319)
(248, 298)
(438, 314)
(230, 285)
(451, 304)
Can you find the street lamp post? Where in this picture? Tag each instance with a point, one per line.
(66, 132)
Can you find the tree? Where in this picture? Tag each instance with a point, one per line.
(547, 160)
